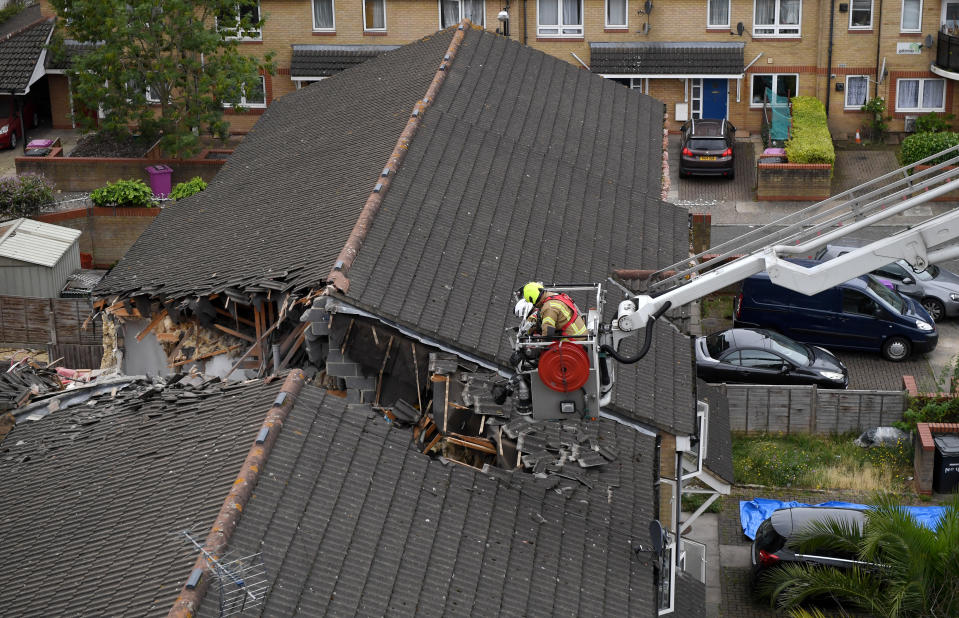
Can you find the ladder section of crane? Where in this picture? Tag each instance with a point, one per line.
(854, 209)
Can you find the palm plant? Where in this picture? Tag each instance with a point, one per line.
(904, 569)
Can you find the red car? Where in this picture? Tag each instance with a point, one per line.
(11, 133)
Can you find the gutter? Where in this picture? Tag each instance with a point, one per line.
(339, 275)
(188, 602)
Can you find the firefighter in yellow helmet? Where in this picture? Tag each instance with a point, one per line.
(557, 313)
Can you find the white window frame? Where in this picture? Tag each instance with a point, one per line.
(775, 77)
(439, 5)
(779, 31)
(709, 12)
(921, 108)
(577, 29)
(606, 16)
(253, 35)
(365, 29)
(303, 82)
(852, 11)
(313, 16)
(150, 98)
(845, 99)
(902, 18)
(244, 104)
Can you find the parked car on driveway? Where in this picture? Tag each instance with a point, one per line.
(10, 130)
(707, 148)
(756, 356)
(771, 548)
(860, 314)
(936, 288)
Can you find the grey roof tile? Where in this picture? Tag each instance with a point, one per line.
(21, 46)
(69, 563)
(409, 535)
(327, 60)
(666, 58)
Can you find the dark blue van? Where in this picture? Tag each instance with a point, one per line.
(860, 314)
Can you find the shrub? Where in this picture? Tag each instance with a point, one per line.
(188, 188)
(810, 141)
(929, 410)
(876, 118)
(934, 123)
(24, 195)
(921, 145)
(123, 193)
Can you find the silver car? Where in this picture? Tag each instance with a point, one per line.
(936, 288)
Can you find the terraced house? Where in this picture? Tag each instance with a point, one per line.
(711, 58)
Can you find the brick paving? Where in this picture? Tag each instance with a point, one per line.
(716, 188)
(854, 167)
(872, 372)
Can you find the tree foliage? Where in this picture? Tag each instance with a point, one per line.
(123, 193)
(183, 54)
(909, 569)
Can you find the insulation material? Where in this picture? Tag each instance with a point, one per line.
(15, 354)
(111, 355)
(189, 340)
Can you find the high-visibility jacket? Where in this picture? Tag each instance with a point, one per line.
(560, 312)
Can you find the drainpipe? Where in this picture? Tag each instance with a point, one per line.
(679, 504)
(832, 13)
(878, 40)
(524, 22)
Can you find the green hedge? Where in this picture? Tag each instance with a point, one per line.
(123, 193)
(921, 145)
(810, 141)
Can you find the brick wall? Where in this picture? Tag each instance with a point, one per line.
(108, 233)
(793, 181)
(89, 173)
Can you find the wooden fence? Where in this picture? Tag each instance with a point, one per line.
(35, 322)
(807, 409)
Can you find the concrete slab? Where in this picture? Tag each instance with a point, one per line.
(735, 556)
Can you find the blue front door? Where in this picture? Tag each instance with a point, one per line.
(714, 98)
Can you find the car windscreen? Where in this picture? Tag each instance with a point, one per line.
(892, 299)
(796, 352)
(706, 143)
(717, 343)
(921, 275)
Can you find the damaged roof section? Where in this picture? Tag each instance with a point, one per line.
(521, 171)
(290, 194)
(351, 520)
(100, 493)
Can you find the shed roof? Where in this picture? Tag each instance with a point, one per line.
(35, 242)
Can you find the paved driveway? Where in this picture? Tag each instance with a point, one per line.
(68, 139)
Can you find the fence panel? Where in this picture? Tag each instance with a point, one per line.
(39, 321)
(807, 409)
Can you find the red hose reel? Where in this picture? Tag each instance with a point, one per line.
(564, 367)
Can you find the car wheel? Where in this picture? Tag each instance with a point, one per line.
(935, 308)
(896, 349)
(13, 140)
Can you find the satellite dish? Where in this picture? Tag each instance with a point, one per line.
(928, 40)
(657, 536)
(648, 7)
(646, 28)
(740, 28)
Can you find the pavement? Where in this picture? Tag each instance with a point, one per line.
(68, 138)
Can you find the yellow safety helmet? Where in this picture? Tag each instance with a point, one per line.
(533, 291)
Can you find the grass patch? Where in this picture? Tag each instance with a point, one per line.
(691, 502)
(820, 462)
(717, 307)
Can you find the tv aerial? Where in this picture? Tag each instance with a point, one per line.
(242, 581)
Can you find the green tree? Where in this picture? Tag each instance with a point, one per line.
(163, 67)
(914, 572)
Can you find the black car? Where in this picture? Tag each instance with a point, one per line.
(708, 148)
(757, 356)
(772, 546)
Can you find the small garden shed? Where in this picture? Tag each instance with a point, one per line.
(36, 258)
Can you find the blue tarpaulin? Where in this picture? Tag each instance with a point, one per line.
(758, 510)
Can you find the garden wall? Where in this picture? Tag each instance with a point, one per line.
(89, 173)
(107, 233)
(793, 181)
(809, 410)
